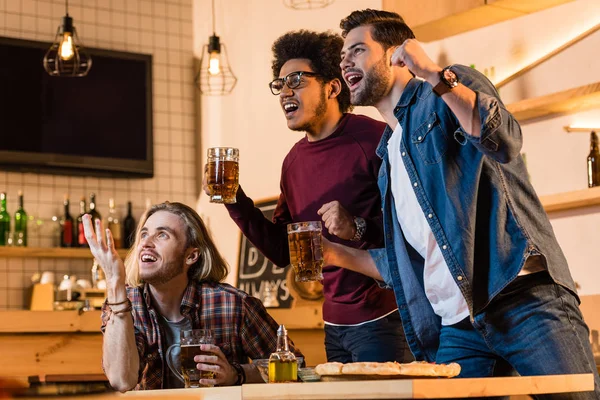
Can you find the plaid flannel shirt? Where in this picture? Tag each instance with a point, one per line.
(240, 323)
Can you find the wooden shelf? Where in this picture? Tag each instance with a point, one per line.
(437, 19)
(49, 252)
(566, 102)
(571, 200)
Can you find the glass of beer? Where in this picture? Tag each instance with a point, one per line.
(222, 174)
(184, 366)
(306, 250)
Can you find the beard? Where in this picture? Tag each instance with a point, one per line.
(320, 110)
(374, 85)
(165, 273)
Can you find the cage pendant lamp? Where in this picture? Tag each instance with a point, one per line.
(307, 4)
(215, 77)
(66, 57)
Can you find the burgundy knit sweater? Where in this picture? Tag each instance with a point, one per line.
(342, 167)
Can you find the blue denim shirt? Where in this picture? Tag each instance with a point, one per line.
(476, 196)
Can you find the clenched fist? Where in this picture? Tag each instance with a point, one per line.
(412, 55)
(337, 220)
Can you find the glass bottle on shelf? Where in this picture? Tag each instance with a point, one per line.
(93, 211)
(20, 237)
(283, 366)
(81, 242)
(114, 224)
(593, 162)
(4, 221)
(67, 227)
(129, 228)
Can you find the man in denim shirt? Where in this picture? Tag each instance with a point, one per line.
(469, 251)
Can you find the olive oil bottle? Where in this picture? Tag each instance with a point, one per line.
(283, 366)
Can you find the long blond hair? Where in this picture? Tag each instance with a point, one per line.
(210, 267)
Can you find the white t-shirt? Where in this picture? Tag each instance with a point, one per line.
(440, 288)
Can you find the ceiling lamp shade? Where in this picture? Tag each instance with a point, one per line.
(307, 4)
(215, 77)
(66, 57)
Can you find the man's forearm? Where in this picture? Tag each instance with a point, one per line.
(353, 259)
(119, 352)
(463, 103)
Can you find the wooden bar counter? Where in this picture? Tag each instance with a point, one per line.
(381, 389)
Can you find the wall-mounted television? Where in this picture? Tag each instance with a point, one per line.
(99, 125)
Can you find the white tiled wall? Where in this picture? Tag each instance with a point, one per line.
(162, 28)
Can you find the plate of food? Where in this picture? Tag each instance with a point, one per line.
(334, 371)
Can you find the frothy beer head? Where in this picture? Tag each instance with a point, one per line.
(306, 250)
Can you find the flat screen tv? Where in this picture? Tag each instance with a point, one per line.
(99, 125)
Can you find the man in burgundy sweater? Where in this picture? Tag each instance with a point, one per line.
(330, 174)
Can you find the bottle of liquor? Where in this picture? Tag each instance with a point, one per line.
(67, 227)
(81, 242)
(4, 221)
(20, 223)
(283, 366)
(593, 162)
(93, 211)
(129, 228)
(114, 224)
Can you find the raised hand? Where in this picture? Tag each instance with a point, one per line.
(225, 374)
(413, 56)
(103, 249)
(337, 220)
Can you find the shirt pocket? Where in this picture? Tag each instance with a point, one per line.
(430, 139)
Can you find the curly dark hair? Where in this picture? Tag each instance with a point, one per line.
(387, 28)
(321, 49)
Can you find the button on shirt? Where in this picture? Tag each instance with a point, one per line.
(440, 288)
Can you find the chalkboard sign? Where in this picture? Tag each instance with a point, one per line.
(258, 276)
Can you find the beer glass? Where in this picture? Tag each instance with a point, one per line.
(222, 174)
(189, 346)
(306, 250)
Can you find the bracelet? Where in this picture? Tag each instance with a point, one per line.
(241, 374)
(128, 308)
(117, 304)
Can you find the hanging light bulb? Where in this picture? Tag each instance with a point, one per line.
(307, 4)
(215, 77)
(66, 57)
(214, 50)
(67, 50)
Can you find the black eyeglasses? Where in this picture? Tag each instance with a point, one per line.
(292, 80)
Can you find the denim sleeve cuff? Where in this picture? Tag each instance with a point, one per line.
(380, 258)
(491, 119)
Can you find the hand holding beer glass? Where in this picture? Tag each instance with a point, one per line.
(190, 342)
(306, 250)
(222, 174)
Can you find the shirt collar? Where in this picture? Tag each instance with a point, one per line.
(192, 297)
(409, 92)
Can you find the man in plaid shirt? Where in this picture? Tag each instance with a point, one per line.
(171, 281)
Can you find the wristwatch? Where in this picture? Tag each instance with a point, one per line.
(361, 227)
(448, 81)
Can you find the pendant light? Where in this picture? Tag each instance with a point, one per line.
(307, 4)
(215, 77)
(66, 57)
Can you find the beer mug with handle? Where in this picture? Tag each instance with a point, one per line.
(306, 250)
(184, 366)
(222, 174)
